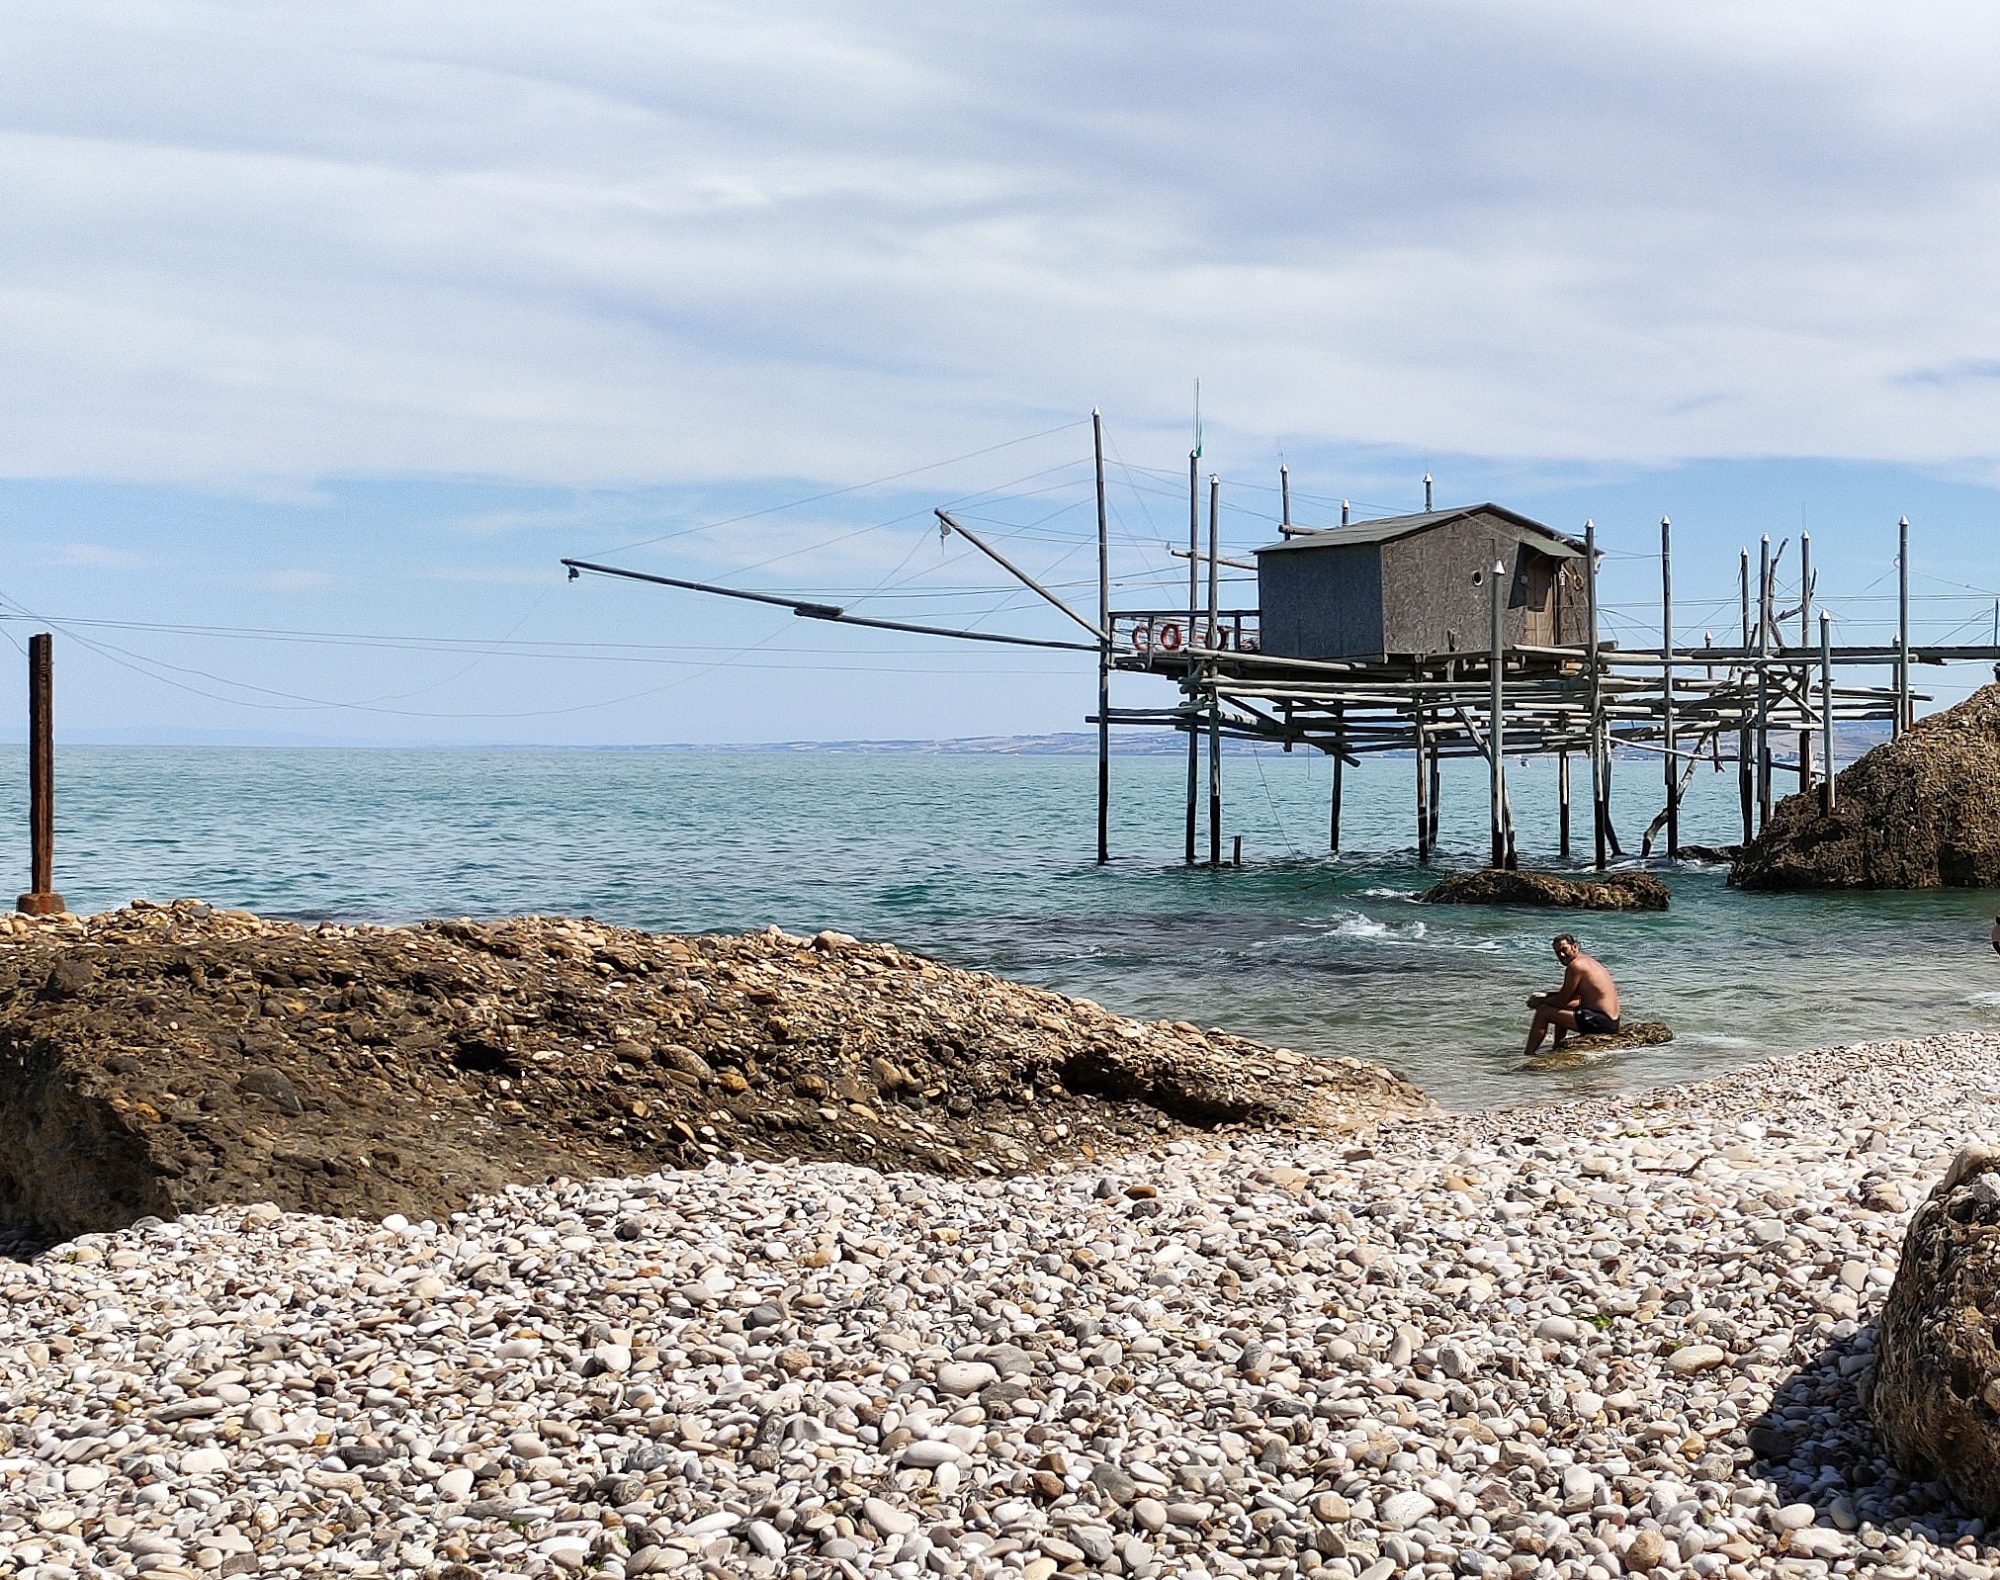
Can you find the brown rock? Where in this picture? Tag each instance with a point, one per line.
(1919, 812)
(1581, 1050)
(1617, 891)
(1935, 1356)
(369, 1070)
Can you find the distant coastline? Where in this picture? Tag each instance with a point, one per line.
(1851, 740)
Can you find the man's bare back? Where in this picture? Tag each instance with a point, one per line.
(1587, 1001)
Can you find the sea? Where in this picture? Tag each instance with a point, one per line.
(988, 861)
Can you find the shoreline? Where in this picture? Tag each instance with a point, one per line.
(1602, 1336)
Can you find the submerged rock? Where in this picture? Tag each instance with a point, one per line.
(165, 1058)
(1616, 891)
(1919, 812)
(1715, 853)
(1586, 1050)
(1936, 1396)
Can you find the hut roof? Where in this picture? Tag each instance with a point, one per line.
(1385, 528)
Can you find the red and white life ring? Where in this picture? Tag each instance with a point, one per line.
(1170, 638)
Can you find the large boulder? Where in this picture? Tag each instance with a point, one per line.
(1919, 812)
(1617, 891)
(1936, 1395)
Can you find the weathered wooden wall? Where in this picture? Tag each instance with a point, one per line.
(1325, 602)
(1424, 593)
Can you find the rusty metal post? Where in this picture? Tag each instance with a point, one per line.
(41, 898)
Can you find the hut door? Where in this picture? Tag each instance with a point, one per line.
(1534, 587)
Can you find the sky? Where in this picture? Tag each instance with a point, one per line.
(329, 331)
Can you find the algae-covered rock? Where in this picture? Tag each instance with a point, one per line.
(1919, 812)
(1617, 891)
(1587, 1049)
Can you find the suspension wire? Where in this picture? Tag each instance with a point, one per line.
(836, 493)
(1284, 833)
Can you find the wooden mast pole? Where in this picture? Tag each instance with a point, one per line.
(1805, 641)
(1496, 723)
(1562, 805)
(1424, 749)
(1902, 625)
(1437, 787)
(1745, 794)
(1214, 682)
(1764, 684)
(1339, 762)
(1194, 571)
(1826, 705)
(1597, 746)
(1671, 760)
(1104, 648)
(41, 898)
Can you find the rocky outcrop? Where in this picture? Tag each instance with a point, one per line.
(1920, 812)
(1617, 891)
(1936, 1394)
(159, 1059)
(1587, 1050)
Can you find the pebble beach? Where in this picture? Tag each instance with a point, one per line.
(1629, 1335)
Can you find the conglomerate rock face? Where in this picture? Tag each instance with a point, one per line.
(1616, 891)
(1918, 812)
(162, 1058)
(1936, 1395)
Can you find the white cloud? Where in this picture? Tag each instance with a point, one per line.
(603, 243)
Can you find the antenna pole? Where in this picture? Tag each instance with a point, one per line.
(1284, 496)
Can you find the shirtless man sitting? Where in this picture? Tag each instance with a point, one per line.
(1586, 1003)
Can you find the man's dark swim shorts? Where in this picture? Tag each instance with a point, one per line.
(1594, 1024)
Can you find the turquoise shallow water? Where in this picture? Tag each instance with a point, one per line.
(986, 862)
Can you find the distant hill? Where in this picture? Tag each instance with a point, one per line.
(1850, 741)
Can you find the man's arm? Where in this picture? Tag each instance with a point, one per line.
(1564, 997)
